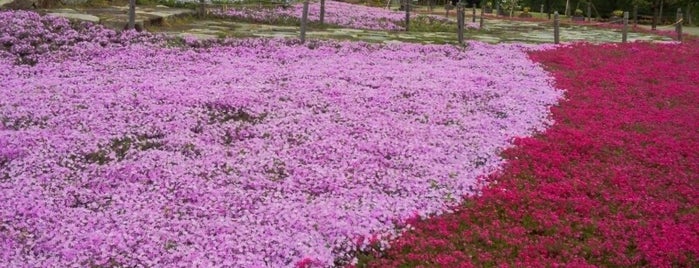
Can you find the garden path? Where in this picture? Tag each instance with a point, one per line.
(495, 30)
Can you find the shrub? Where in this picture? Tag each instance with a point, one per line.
(618, 13)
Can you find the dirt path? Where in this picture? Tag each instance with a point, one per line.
(692, 30)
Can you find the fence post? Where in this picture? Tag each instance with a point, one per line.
(635, 16)
(625, 29)
(654, 24)
(407, 15)
(556, 29)
(322, 12)
(589, 11)
(474, 13)
(678, 24)
(542, 8)
(132, 14)
(460, 18)
(481, 21)
(202, 8)
(304, 21)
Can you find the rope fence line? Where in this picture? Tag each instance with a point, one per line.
(623, 22)
(677, 22)
(614, 22)
(624, 25)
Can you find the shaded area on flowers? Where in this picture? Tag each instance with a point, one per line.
(613, 183)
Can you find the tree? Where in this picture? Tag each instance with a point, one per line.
(688, 6)
(656, 6)
(690, 12)
(509, 5)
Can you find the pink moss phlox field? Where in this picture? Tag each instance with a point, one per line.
(613, 183)
(336, 13)
(253, 153)
(28, 34)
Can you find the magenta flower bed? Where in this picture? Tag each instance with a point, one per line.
(253, 153)
(614, 183)
(336, 13)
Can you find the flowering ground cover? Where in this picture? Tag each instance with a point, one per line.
(336, 13)
(614, 183)
(26, 36)
(246, 153)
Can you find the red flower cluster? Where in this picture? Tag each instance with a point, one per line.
(615, 182)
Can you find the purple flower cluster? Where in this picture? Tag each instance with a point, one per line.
(336, 13)
(472, 25)
(253, 153)
(28, 35)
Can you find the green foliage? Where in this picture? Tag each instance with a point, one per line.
(146, 2)
(221, 2)
(641, 3)
(96, 3)
(509, 4)
(430, 24)
(120, 147)
(176, 4)
(374, 3)
(48, 3)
